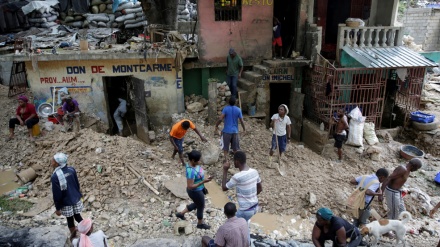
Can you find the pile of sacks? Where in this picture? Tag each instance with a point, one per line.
(223, 95)
(43, 18)
(72, 19)
(129, 15)
(408, 41)
(186, 11)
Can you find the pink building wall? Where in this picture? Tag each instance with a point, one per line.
(251, 37)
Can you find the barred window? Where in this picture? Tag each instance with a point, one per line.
(227, 10)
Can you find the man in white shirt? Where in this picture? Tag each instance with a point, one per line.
(119, 114)
(281, 130)
(373, 190)
(248, 186)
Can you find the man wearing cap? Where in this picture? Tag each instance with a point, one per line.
(234, 69)
(281, 130)
(392, 186)
(336, 229)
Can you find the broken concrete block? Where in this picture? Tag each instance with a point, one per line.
(194, 107)
(183, 227)
(312, 199)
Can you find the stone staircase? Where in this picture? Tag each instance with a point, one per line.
(251, 85)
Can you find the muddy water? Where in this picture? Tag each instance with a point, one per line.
(290, 225)
(7, 183)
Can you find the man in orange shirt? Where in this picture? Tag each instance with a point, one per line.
(177, 133)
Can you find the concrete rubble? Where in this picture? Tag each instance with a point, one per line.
(128, 211)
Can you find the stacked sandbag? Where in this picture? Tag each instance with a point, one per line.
(99, 20)
(129, 15)
(72, 19)
(101, 6)
(186, 11)
(43, 18)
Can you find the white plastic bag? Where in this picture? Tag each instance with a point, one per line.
(370, 134)
(355, 135)
(48, 126)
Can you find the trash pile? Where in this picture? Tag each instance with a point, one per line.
(408, 41)
(186, 11)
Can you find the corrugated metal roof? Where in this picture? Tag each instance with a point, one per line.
(388, 57)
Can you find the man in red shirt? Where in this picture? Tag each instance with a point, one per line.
(25, 115)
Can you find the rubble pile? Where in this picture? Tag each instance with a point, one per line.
(194, 104)
(126, 210)
(186, 11)
(223, 95)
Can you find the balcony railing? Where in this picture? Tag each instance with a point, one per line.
(380, 36)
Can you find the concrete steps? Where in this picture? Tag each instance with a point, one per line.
(245, 84)
(252, 76)
(260, 69)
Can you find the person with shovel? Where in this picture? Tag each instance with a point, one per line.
(281, 131)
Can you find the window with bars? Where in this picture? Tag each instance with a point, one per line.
(227, 10)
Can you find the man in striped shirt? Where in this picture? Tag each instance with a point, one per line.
(233, 233)
(247, 183)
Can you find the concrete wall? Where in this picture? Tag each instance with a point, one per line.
(383, 13)
(5, 72)
(251, 37)
(423, 24)
(85, 82)
(313, 137)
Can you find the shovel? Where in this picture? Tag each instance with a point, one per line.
(278, 165)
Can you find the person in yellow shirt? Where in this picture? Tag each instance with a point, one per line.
(177, 133)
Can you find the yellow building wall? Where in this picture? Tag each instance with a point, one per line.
(85, 82)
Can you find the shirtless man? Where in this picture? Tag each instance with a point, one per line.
(341, 133)
(392, 185)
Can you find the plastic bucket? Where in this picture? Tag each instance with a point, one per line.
(36, 130)
(251, 110)
(27, 175)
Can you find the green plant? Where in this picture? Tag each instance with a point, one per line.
(212, 80)
(14, 204)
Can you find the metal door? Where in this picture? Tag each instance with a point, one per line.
(137, 93)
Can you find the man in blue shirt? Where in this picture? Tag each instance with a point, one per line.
(231, 114)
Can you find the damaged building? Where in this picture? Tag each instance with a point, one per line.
(157, 52)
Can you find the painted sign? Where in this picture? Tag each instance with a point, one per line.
(257, 2)
(280, 74)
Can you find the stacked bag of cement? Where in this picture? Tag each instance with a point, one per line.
(99, 20)
(43, 18)
(186, 11)
(223, 95)
(101, 6)
(72, 19)
(129, 15)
